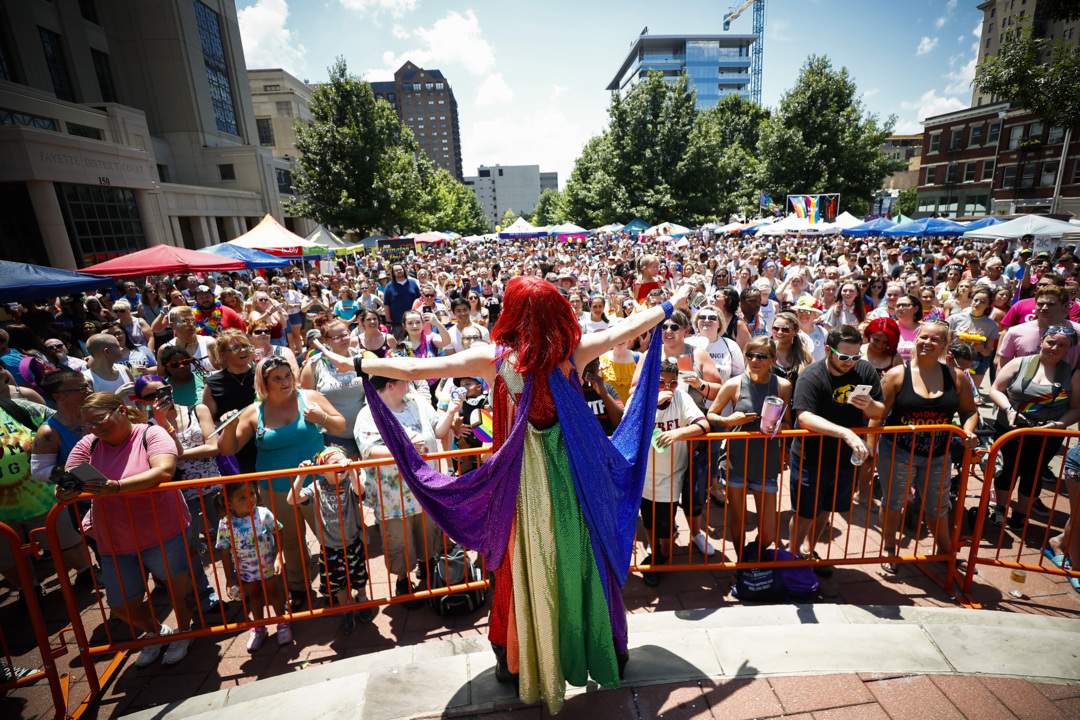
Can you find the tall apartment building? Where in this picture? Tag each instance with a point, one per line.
(123, 124)
(1000, 16)
(909, 149)
(425, 103)
(716, 65)
(509, 187)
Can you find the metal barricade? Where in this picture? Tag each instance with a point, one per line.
(13, 677)
(1026, 544)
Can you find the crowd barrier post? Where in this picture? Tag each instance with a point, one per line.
(992, 555)
(58, 684)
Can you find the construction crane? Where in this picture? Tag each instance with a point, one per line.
(758, 48)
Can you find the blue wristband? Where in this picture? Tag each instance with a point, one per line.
(668, 309)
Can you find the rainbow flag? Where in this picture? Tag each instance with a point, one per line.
(484, 432)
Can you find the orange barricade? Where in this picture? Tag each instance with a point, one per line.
(863, 542)
(122, 624)
(11, 676)
(1025, 541)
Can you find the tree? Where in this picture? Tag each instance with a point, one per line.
(1040, 75)
(455, 207)
(648, 163)
(359, 167)
(905, 202)
(509, 217)
(820, 140)
(548, 209)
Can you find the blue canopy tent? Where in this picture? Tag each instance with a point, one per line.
(23, 281)
(871, 227)
(255, 259)
(987, 221)
(925, 227)
(637, 225)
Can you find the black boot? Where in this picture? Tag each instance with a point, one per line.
(622, 659)
(502, 669)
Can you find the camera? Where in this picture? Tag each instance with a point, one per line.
(165, 392)
(64, 480)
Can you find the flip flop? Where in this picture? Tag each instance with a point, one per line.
(1058, 560)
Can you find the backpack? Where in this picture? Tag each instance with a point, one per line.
(765, 584)
(18, 413)
(454, 568)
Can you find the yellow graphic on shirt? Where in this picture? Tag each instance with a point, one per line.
(842, 393)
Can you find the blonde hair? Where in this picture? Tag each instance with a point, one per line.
(261, 390)
(121, 304)
(111, 401)
(224, 340)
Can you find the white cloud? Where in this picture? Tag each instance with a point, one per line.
(926, 45)
(960, 78)
(977, 32)
(949, 8)
(397, 8)
(547, 137)
(871, 92)
(268, 43)
(930, 105)
(454, 40)
(400, 32)
(556, 91)
(940, 22)
(494, 91)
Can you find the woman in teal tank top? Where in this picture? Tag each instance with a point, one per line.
(287, 424)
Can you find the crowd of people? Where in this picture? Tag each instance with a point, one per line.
(846, 333)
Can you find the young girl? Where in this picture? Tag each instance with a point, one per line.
(342, 566)
(247, 528)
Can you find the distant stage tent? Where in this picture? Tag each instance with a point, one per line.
(431, 238)
(1036, 225)
(521, 229)
(22, 281)
(163, 260)
(668, 228)
(272, 237)
(253, 259)
(846, 220)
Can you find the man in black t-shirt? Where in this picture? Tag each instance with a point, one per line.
(824, 404)
(601, 397)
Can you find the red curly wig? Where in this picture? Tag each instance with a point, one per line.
(884, 325)
(537, 324)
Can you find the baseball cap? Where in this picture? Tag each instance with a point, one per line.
(203, 289)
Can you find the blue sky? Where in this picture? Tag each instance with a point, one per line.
(529, 77)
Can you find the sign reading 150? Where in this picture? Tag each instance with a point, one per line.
(102, 180)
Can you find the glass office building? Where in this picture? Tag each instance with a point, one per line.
(716, 65)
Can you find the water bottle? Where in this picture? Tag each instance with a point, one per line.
(1017, 578)
(660, 449)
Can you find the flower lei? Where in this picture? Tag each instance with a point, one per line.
(208, 325)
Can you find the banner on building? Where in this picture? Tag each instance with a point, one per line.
(815, 208)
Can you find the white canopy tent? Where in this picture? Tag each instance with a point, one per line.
(846, 220)
(668, 229)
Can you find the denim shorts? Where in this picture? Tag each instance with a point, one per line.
(814, 493)
(296, 319)
(899, 469)
(770, 485)
(125, 576)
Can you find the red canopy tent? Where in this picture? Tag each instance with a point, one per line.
(272, 237)
(163, 260)
(430, 238)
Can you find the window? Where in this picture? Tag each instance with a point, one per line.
(429, 86)
(934, 140)
(988, 170)
(500, 169)
(1027, 177)
(440, 86)
(1008, 177)
(390, 96)
(1049, 174)
(102, 222)
(266, 130)
(487, 173)
(217, 71)
(992, 136)
(1055, 136)
(9, 117)
(84, 131)
(271, 88)
(89, 11)
(103, 70)
(442, 102)
(284, 181)
(163, 173)
(957, 139)
(227, 172)
(969, 172)
(975, 138)
(441, 117)
(1076, 172)
(950, 174)
(1035, 133)
(990, 27)
(988, 43)
(58, 71)
(1015, 135)
(284, 108)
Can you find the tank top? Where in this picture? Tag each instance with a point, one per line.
(235, 392)
(911, 408)
(344, 390)
(66, 437)
(286, 446)
(1039, 402)
(381, 351)
(190, 435)
(754, 459)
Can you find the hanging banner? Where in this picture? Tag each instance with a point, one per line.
(394, 249)
(815, 208)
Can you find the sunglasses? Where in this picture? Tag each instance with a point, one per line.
(782, 329)
(708, 318)
(274, 362)
(758, 356)
(260, 332)
(337, 338)
(177, 364)
(671, 385)
(671, 327)
(842, 357)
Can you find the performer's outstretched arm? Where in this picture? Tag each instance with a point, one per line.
(593, 345)
(475, 362)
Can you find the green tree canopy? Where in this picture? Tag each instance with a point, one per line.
(359, 167)
(455, 207)
(820, 140)
(548, 209)
(905, 202)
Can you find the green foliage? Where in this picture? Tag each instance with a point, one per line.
(821, 141)
(737, 121)
(905, 202)
(1040, 75)
(358, 167)
(548, 210)
(456, 207)
(509, 217)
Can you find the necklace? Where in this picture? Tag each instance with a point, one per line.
(231, 374)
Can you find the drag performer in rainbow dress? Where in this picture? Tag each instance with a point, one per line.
(554, 510)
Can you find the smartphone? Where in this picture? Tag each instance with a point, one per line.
(859, 390)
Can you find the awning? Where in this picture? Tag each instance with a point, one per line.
(23, 281)
(163, 260)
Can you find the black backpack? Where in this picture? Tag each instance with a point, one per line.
(455, 568)
(761, 584)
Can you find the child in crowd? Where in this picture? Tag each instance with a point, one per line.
(247, 529)
(342, 566)
(677, 418)
(473, 400)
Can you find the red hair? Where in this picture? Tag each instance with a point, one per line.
(537, 324)
(884, 325)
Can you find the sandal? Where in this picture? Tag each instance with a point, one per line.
(890, 567)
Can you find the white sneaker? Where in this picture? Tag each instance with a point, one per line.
(150, 653)
(704, 545)
(176, 651)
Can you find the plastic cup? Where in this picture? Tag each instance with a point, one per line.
(772, 409)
